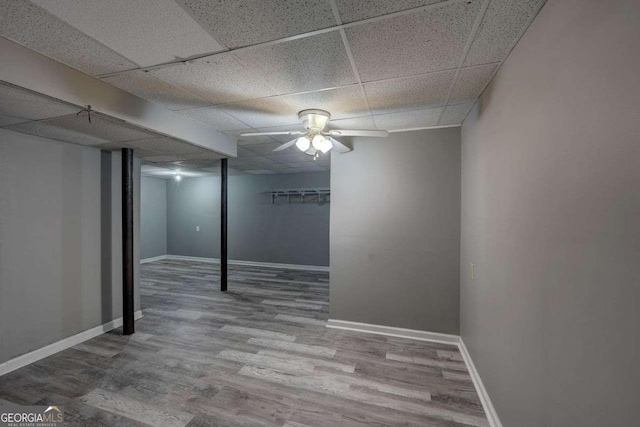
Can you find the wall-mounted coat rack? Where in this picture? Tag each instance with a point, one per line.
(320, 195)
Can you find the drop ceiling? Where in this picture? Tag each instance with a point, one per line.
(246, 65)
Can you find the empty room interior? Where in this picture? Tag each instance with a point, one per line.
(319, 213)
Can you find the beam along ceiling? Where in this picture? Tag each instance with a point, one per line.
(245, 65)
(24, 111)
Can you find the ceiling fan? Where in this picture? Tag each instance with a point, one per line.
(315, 139)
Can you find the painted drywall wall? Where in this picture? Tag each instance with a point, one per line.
(550, 218)
(60, 241)
(258, 230)
(395, 231)
(153, 212)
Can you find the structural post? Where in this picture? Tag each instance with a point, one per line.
(128, 326)
(223, 224)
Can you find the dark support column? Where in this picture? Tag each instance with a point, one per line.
(223, 225)
(128, 327)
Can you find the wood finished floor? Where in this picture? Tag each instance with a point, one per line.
(258, 355)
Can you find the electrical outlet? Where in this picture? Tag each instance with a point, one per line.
(197, 228)
(472, 271)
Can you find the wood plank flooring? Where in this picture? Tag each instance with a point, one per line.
(258, 355)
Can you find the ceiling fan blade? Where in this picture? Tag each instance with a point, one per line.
(286, 145)
(289, 132)
(339, 146)
(354, 132)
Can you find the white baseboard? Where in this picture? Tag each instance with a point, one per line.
(41, 353)
(153, 259)
(391, 331)
(437, 337)
(239, 262)
(489, 410)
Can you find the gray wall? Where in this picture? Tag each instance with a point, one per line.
(60, 241)
(153, 210)
(258, 231)
(551, 219)
(395, 231)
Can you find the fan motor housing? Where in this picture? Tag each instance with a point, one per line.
(314, 120)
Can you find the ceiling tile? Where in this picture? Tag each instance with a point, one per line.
(310, 167)
(262, 149)
(148, 32)
(238, 23)
(147, 86)
(455, 114)
(19, 105)
(214, 117)
(294, 126)
(78, 130)
(357, 10)
(365, 122)
(432, 40)
(408, 119)
(411, 93)
(288, 158)
(261, 160)
(243, 153)
(257, 113)
(305, 64)
(471, 82)
(217, 79)
(342, 103)
(27, 24)
(502, 24)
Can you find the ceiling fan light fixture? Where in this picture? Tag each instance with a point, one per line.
(318, 141)
(326, 146)
(303, 143)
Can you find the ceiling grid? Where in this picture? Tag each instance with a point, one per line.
(248, 66)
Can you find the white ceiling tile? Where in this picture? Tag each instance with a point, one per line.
(217, 79)
(78, 130)
(238, 23)
(214, 117)
(20, 105)
(357, 10)
(261, 160)
(147, 86)
(262, 149)
(27, 24)
(502, 24)
(288, 158)
(432, 40)
(455, 114)
(365, 122)
(305, 64)
(263, 112)
(148, 32)
(310, 167)
(408, 119)
(243, 152)
(296, 125)
(342, 103)
(411, 93)
(471, 82)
